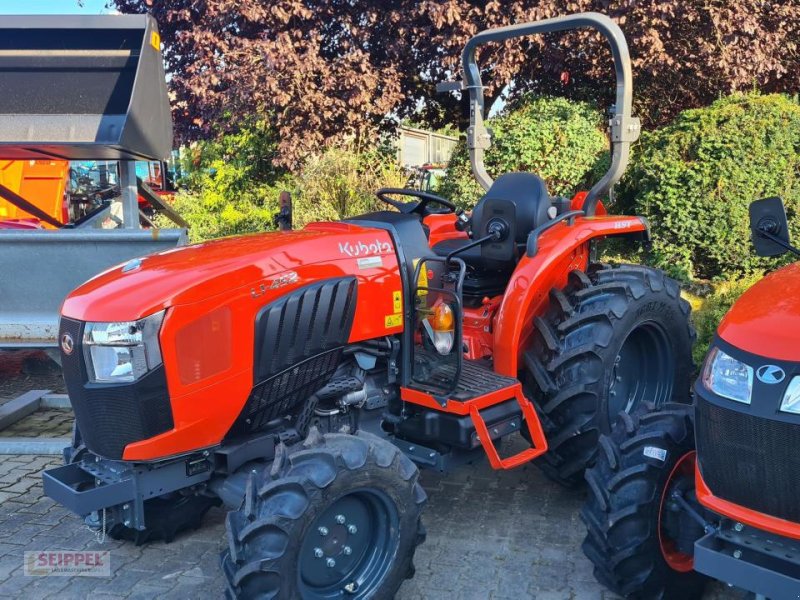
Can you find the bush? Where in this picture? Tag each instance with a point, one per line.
(559, 140)
(695, 178)
(230, 185)
(341, 182)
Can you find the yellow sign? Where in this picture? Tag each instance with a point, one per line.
(397, 300)
(394, 321)
(422, 280)
(155, 40)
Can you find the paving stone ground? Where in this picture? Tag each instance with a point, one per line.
(491, 536)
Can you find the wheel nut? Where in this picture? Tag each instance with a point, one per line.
(347, 550)
(323, 531)
(352, 529)
(331, 563)
(340, 519)
(318, 552)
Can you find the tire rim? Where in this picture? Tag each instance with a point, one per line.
(350, 547)
(644, 370)
(677, 560)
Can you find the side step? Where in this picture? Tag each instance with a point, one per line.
(494, 389)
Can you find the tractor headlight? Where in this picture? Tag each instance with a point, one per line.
(728, 377)
(123, 351)
(791, 398)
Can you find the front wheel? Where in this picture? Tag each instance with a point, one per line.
(611, 340)
(335, 517)
(639, 538)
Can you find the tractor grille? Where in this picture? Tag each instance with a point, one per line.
(298, 345)
(111, 416)
(277, 396)
(750, 461)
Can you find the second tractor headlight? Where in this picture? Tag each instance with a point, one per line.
(791, 398)
(123, 351)
(728, 377)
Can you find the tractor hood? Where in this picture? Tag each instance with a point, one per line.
(766, 319)
(198, 272)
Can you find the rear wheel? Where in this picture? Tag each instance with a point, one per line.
(639, 539)
(614, 338)
(336, 517)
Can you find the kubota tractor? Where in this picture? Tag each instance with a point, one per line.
(681, 494)
(300, 377)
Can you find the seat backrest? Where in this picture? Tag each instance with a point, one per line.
(520, 200)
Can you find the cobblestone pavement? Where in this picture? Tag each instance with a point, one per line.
(490, 536)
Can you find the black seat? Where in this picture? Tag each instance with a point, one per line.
(521, 201)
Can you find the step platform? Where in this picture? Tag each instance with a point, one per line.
(478, 387)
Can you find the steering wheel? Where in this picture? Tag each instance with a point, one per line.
(421, 207)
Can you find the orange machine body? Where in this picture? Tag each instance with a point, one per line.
(40, 182)
(767, 312)
(742, 514)
(227, 282)
(212, 292)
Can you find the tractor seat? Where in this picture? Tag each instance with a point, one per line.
(520, 200)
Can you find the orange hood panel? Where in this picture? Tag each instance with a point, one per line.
(766, 319)
(198, 272)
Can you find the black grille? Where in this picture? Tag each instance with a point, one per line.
(277, 396)
(111, 416)
(298, 343)
(302, 324)
(750, 460)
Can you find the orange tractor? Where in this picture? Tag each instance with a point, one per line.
(301, 377)
(681, 494)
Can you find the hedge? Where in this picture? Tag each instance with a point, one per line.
(695, 178)
(560, 140)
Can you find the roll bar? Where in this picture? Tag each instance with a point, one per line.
(623, 127)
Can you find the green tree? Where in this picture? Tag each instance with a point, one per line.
(332, 69)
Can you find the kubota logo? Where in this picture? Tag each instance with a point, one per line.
(770, 374)
(364, 249)
(67, 344)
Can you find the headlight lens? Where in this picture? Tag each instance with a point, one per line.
(791, 399)
(728, 377)
(123, 351)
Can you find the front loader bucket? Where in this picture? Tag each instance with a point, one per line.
(77, 88)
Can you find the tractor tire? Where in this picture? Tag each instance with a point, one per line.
(613, 338)
(337, 516)
(638, 463)
(166, 517)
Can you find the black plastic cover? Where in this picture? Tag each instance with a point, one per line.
(82, 87)
(298, 346)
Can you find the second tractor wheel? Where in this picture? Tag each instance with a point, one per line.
(336, 517)
(615, 337)
(639, 538)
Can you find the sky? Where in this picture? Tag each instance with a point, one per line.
(52, 7)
